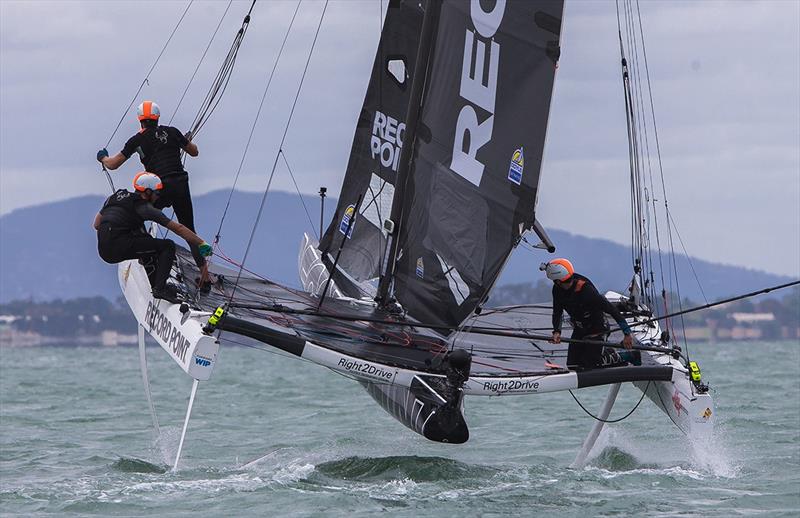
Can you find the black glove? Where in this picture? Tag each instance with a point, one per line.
(103, 153)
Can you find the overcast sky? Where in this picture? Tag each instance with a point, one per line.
(725, 77)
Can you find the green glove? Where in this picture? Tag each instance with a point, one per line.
(205, 249)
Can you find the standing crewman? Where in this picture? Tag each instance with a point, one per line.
(576, 295)
(159, 149)
(121, 234)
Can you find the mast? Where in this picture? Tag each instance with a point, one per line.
(429, 22)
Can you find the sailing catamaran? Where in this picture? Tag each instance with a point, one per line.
(440, 188)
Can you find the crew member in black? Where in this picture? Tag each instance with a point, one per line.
(121, 234)
(159, 150)
(576, 295)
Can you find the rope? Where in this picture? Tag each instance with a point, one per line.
(280, 147)
(640, 194)
(255, 122)
(147, 77)
(296, 188)
(688, 259)
(612, 420)
(202, 58)
(220, 83)
(110, 181)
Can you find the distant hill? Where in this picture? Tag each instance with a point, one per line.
(49, 251)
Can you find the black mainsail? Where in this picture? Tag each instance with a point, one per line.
(471, 187)
(471, 190)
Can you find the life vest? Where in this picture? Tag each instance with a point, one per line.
(119, 211)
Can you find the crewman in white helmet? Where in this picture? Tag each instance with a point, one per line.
(575, 294)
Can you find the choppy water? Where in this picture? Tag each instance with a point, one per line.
(273, 436)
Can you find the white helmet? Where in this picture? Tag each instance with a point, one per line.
(148, 110)
(145, 180)
(558, 269)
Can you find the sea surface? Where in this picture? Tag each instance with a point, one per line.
(274, 436)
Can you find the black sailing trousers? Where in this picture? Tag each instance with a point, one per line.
(157, 255)
(584, 356)
(176, 194)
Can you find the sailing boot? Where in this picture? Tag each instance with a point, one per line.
(168, 293)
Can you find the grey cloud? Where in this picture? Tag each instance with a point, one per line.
(726, 84)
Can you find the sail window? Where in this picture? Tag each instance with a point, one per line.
(396, 67)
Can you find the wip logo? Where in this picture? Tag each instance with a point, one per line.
(517, 166)
(348, 215)
(201, 361)
(387, 140)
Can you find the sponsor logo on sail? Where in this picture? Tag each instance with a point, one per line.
(420, 268)
(202, 361)
(171, 336)
(348, 215)
(478, 87)
(516, 166)
(387, 140)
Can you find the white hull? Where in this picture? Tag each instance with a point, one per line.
(180, 335)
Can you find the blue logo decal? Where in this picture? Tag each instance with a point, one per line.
(420, 268)
(348, 213)
(517, 166)
(203, 362)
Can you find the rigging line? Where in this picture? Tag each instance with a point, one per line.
(472, 329)
(628, 124)
(202, 58)
(658, 149)
(146, 77)
(630, 26)
(677, 287)
(686, 254)
(647, 154)
(501, 332)
(642, 214)
(280, 147)
(255, 122)
(713, 304)
(612, 420)
(220, 83)
(291, 174)
(108, 177)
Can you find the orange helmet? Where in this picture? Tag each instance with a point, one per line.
(558, 269)
(148, 110)
(145, 180)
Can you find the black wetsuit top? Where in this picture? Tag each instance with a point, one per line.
(159, 149)
(127, 211)
(585, 306)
